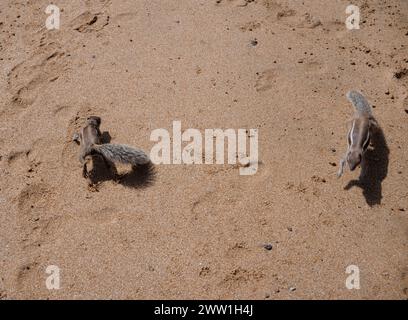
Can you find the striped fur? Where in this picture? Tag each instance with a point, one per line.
(358, 137)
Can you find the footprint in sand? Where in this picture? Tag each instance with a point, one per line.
(290, 17)
(286, 13)
(37, 225)
(203, 206)
(34, 219)
(305, 21)
(18, 159)
(90, 22)
(237, 250)
(314, 67)
(240, 276)
(28, 79)
(105, 215)
(265, 80)
(28, 161)
(268, 79)
(63, 114)
(26, 273)
(62, 111)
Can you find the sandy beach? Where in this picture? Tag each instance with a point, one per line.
(203, 231)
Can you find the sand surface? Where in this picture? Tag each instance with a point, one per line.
(197, 231)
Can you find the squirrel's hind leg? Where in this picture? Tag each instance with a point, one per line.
(110, 166)
(85, 173)
(84, 162)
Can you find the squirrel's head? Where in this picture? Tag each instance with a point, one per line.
(354, 159)
(94, 120)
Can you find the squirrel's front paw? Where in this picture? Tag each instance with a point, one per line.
(92, 187)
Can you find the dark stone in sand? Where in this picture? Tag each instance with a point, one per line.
(268, 247)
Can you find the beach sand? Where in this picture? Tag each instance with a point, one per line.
(198, 231)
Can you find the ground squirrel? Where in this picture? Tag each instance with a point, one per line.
(90, 139)
(358, 137)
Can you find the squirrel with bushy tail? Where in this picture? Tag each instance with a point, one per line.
(362, 127)
(90, 140)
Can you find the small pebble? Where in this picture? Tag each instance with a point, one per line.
(292, 289)
(268, 247)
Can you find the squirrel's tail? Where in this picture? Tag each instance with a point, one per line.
(360, 103)
(121, 153)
